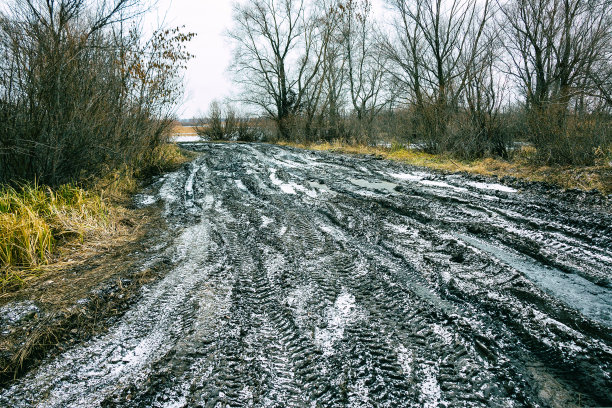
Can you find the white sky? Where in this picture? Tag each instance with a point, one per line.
(207, 77)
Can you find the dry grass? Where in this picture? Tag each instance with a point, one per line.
(180, 130)
(41, 228)
(522, 167)
(120, 184)
(34, 220)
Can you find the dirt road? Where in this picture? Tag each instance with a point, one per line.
(312, 279)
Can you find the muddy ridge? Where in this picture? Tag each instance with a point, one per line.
(302, 278)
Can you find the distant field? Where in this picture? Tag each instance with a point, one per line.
(182, 133)
(180, 130)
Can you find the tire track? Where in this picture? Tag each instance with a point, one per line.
(312, 279)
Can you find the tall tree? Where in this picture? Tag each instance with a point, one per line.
(435, 43)
(277, 55)
(365, 62)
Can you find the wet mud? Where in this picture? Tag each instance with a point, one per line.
(302, 278)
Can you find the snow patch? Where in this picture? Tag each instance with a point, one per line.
(344, 312)
(405, 359)
(442, 184)
(287, 189)
(265, 221)
(240, 185)
(430, 388)
(406, 176)
(492, 186)
(144, 200)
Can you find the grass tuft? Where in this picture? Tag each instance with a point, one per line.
(34, 219)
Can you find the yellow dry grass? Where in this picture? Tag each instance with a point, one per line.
(180, 130)
(522, 167)
(41, 227)
(35, 219)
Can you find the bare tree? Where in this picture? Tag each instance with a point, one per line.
(365, 62)
(432, 49)
(278, 55)
(554, 44)
(554, 49)
(81, 91)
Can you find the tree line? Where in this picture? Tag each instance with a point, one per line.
(83, 91)
(461, 76)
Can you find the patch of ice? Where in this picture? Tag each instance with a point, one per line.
(287, 189)
(342, 313)
(492, 186)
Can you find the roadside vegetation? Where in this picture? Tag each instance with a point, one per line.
(86, 110)
(524, 86)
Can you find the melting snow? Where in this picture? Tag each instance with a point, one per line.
(492, 186)
(406, 176)
(145, 199)
(430, 389)
(343, 312)
(287, 188)
(435, 183)
(240, 185)
(265, 221)
(405, 359)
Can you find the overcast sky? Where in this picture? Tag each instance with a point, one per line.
(207, 78)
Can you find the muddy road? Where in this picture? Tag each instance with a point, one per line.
(298, 279)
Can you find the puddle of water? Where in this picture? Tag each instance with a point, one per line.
(577, 292)
(378, 185)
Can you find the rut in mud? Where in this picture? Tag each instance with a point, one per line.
(311, 279)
